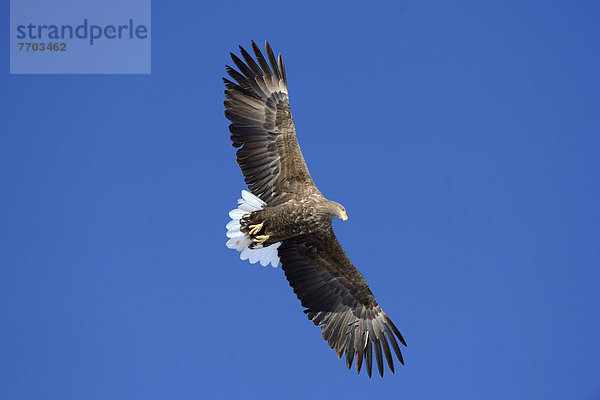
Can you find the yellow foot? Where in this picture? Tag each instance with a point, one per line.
(254, 229)
(260, 239)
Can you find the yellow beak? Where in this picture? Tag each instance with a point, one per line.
(344, 216)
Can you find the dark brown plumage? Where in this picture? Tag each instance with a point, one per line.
(292, 220)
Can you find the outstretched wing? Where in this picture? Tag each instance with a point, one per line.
(338, 299)
(262, 127)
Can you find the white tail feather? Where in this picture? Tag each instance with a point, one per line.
(240, 241)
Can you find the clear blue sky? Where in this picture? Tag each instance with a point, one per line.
(463, 139)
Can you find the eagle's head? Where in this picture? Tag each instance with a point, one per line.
(336, 210)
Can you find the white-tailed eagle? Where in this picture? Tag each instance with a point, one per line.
(284, 218)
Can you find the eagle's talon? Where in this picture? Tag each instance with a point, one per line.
(254, 229)
(260, 239)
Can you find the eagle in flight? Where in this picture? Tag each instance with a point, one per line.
(285, 218)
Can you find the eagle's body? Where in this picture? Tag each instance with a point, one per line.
(296, 216)
(285, 218)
